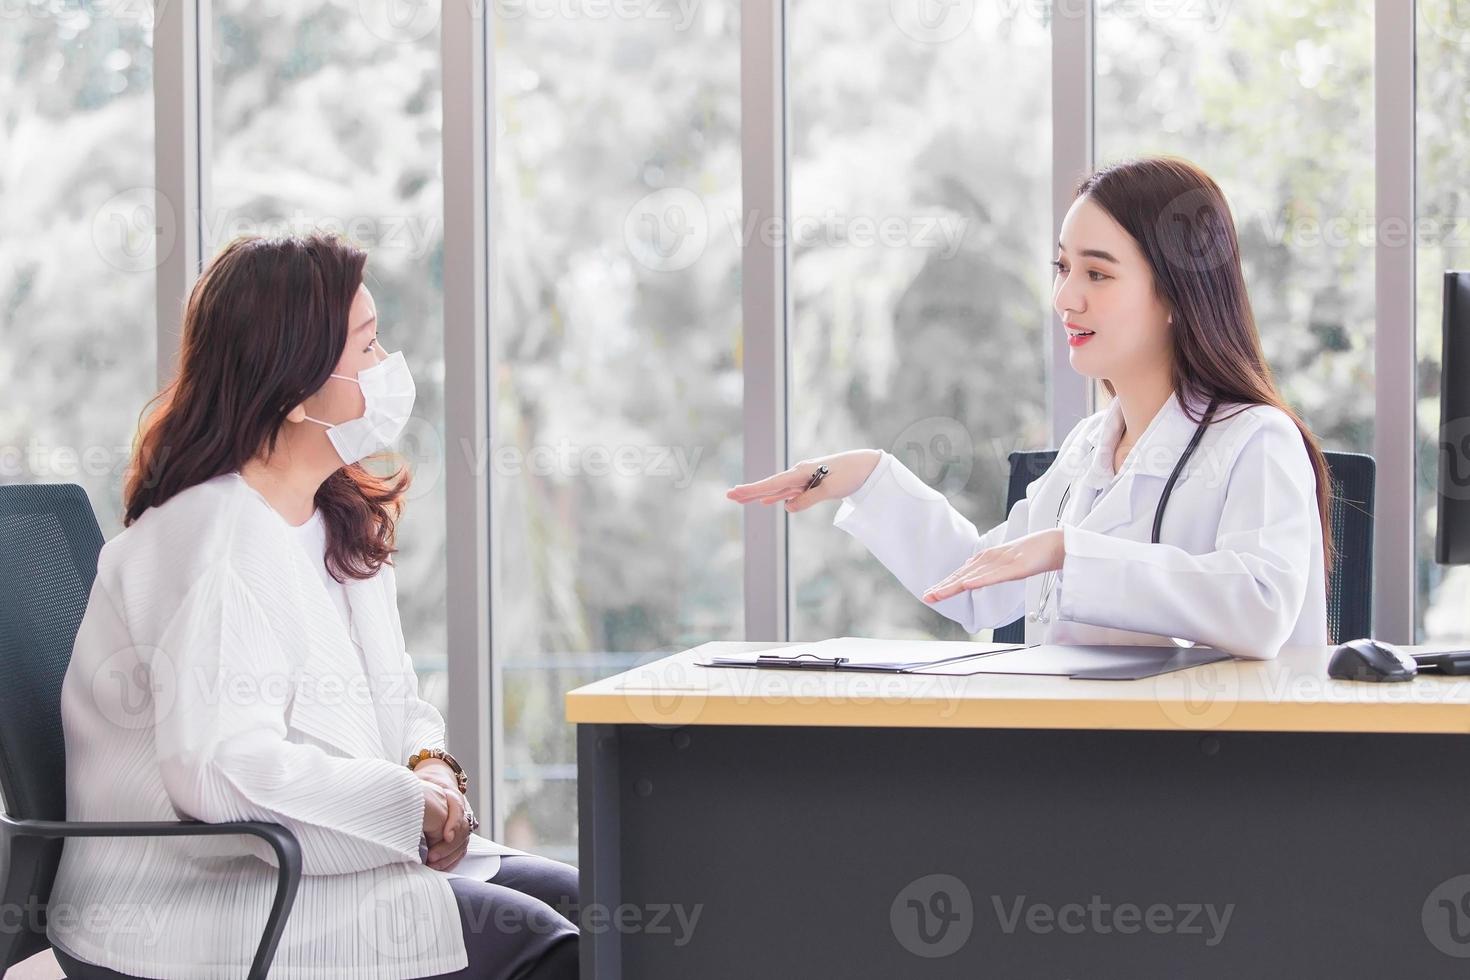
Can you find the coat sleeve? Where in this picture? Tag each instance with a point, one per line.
(1243, 598)
(423, 725)
(222, 740)
(918, 535)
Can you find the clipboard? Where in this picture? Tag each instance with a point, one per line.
(1101, 662)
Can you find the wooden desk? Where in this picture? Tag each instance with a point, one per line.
(886, 826)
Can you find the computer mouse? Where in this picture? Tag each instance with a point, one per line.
(1371, 660)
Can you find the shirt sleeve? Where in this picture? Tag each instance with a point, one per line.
(223, 748)
(919, 536)
(1244, 597)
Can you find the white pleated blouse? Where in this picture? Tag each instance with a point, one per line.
(212, 678)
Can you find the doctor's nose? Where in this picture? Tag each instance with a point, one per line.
(1067, 302)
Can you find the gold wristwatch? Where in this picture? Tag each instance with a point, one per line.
(462, 781)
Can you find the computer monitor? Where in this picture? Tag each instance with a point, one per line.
(1452, 535)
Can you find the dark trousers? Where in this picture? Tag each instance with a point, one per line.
(520, 925)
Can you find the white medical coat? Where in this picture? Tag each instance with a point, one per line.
(1238, 566)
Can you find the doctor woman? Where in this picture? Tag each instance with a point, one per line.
(241, 658)
(1150, 291)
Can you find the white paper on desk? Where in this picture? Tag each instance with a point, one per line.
(867, 650)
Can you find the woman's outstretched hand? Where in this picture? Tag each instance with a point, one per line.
(1031, 554)
(845, 473)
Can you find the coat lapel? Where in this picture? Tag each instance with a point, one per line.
(368, 601)
(335, 700)
(1145, 472)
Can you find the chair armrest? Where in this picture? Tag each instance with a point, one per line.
(281, 840)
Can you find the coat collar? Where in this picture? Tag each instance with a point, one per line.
(1163, 441)
(349, 701)
(1145, 471)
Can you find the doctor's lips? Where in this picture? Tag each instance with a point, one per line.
(1077, 336)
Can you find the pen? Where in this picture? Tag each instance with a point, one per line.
(797, 661)
(816, 478)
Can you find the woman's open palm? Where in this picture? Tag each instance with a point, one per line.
(1030, 554)
(845, 473)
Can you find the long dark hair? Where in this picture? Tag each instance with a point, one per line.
(264, 326)
(1182, 223)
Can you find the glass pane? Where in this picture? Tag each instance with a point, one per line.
(616, 337)
(1442, 200)
(82, 238)
(327, 116)
(921, 293)
(1274, 101)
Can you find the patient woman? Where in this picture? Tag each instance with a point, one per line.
(241, 658)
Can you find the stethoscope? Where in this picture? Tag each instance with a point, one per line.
(1041, 615)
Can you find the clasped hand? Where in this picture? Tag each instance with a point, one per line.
(446, 822)
(1031, 554)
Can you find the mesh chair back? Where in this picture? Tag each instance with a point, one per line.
(49, 543)
(1350, 584)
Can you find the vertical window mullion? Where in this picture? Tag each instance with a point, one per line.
(765, 306)
(181, 128)
(471, 547)
(1072, 81)
(1393, 342)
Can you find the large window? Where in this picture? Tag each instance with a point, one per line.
(1443, 241)
(919, 232)
(326, 116)
(617, 346)
(919, 235)
(81, 234)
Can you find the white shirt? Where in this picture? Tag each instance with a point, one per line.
(1238, 565)
(211, 678)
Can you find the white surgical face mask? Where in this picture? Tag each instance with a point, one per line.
(387, 392)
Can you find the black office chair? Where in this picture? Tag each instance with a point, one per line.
(49, 542)
(1350, 584)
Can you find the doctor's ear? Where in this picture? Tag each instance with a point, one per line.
(297, 414)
